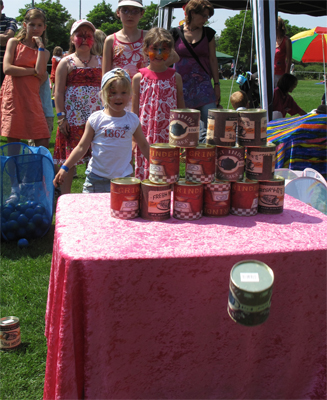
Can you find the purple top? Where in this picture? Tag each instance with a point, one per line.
(197, 86)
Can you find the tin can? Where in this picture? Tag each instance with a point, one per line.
(155, 201)
(250, 291)
(260, 162)
(222, 127)
(9, 333)
(125, 198)
(164, 163)
(230, 163)
(216, 201)
(271, 196)
(252, 127)
(184, 127)
(200, 164)
(244, 198)
(188, 200)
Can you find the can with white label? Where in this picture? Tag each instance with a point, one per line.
(155, 201)
(252, 127)
(222, 127)
(271, 196)
(250, 291)
(9, 333)
(216, 199)
(200, 164)
(125, 198)
(188, 200)
(260, 162)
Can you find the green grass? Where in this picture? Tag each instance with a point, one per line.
(25, 278)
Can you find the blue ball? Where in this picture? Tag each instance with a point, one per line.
(21, 207)
(22, 243)
(22, 220)
(12, 225)
(6, 212)
(11, 235)
(29, 212)
(37, 219)
(34, 204)
(46, 222)
(30, 228)
(40, 209)
(14, 215)
(21, 232)
(3, 227)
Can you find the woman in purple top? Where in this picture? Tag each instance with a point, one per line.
(196, 47)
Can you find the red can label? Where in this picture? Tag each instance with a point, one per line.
(184, 127)
(244, 198)
(188, 200)
(155, 201)
(230, 163)
(125, 198)
(200, 164)
(164, 163)
(216, 199)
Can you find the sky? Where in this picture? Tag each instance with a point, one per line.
(217, 22)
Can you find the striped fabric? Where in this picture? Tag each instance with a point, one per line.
(301, 142)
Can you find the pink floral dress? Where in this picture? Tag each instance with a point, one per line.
(158, 95)
(81, 100)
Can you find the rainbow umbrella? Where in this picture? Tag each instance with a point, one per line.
(310, 46)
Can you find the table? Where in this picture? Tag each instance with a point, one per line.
(138, 309)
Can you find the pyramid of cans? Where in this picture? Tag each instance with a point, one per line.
(233, 173)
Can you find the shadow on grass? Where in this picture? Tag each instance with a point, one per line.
(37, 247)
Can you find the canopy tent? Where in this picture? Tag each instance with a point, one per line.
(264, 17)
(224, 58)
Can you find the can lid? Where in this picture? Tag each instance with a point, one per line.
(183, 182)
(275, 179)
(126, 181)
(252, 276)
(5, 321)
(147, 182)
(222, 110)
(185, 110)
(203, 146)
(253, 111)
(262, 147)
(162, 146)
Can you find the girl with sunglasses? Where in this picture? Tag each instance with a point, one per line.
(25, 66)
(78, 81)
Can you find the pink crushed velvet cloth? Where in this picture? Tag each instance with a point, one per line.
(138, 309)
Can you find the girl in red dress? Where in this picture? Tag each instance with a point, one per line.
(156, 90)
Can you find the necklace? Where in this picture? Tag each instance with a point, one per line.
(84, 62)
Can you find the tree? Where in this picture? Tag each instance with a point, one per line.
(102, 17)
(230, 38)
(57, 17)
(150, 17)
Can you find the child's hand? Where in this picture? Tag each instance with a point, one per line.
(37, 40)
(59, 178)
(64, 127)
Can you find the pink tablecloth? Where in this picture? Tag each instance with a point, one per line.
(138, 309)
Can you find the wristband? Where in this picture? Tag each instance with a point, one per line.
(216, 84)
(64, 168)
(61, 114)
(41, 49)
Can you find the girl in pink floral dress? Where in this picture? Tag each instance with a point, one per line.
(156, 90)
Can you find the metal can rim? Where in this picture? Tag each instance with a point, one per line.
(183, 182)
(275, 179)
(192, 110)
(147, 182)
(163, 146)
(126, 181)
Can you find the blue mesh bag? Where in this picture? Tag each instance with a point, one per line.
(26, 191)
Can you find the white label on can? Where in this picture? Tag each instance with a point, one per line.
(255, 203)
(130, 205)
(230, 132)
(255, 161)
(211, 128)
(249, 277)
(194, 169)
(220, 196)
(271, 196)
(182, 207)
(157, 169)
(246, 129)
(159, 202)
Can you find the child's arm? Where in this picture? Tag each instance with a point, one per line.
(107, 54)
(42, 57)
(8, 61)
(172, 59)
(141, 141)
(61, 78)
(136, 93)
(180, 96)
(76, 154)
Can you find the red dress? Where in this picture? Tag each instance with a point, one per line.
(81, 100)
(158, 95)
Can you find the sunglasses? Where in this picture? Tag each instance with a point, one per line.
(34, 8)
(132, 11)
(204, 16)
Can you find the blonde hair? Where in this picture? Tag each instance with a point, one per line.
(156, 36)
(119, 77)
(99, 38)
(198, 6)
(34, 13)
(239, 99)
